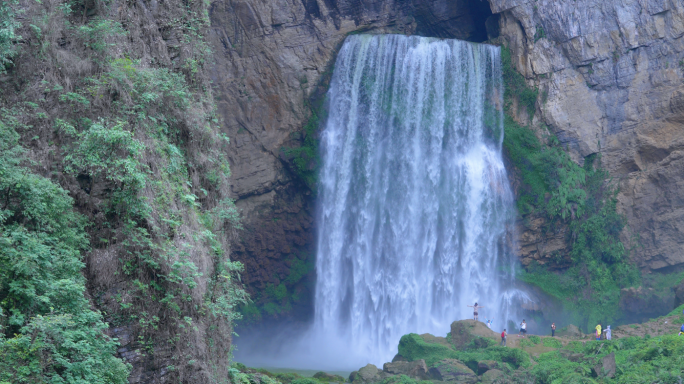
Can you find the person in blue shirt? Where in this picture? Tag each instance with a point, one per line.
(681, 330)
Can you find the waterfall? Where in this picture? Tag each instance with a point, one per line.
(414, 202)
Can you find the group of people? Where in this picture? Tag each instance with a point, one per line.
(523, 328)
(607, 331)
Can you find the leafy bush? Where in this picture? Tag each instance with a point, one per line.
(47, 330)
(516, 86)
(413, 347)
(551, 342)
(8, 38)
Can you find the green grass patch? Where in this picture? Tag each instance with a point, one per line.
(552, 343)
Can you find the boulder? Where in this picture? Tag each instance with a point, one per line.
(398, 357)
(607, 367)
(415, 369)
(486, 365)
(491, 376)
(368, 374)
(463, 332)
(452, 371)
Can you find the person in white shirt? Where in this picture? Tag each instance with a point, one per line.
(523, 328)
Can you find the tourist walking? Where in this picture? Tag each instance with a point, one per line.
(598, 332)
(553, 329)
(523, 328)
(475, 308)
(609, 335)
(503, 337)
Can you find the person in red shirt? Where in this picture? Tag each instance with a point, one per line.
(503, 338)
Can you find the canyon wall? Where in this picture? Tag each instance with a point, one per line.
(610, 76)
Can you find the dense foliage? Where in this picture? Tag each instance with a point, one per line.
(580, 197)
(48, 333)
(132, 133)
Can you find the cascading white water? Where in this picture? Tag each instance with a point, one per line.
(414, 201)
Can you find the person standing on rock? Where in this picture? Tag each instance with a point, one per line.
(523, 329)
(598, 332)
(475, 308)
(503, 337)
(553, 329)
(609, 336)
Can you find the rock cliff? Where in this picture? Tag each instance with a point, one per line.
(610, 75)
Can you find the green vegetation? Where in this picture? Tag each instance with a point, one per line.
(413, 347)
(516, 87)
(579, 197)
(47, 330)
(8, 37)
(277, 300)
(305, 159)
(133, 135)
(637, 360)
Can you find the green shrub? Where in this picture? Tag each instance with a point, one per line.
(305, 380)
(551, 343)
(413, 347)
(535, 339)
(9, 46)
(48, 333)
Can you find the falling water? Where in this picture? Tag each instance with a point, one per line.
(414, 200)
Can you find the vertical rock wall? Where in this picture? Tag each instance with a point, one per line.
(610, 78)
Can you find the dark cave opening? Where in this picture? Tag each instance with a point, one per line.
(470, 20)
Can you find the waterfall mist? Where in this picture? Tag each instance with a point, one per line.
(414, 204)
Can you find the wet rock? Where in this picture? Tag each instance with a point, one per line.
(368, 374)
(644, 301)
(452, 371)
(607, 367)
(486, 365)
(491, 376)
(464, 332)
(416, 369)
(398, 357)
(679, 295)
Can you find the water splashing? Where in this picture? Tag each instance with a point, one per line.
(414, 203)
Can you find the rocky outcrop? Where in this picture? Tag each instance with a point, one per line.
(272, 61)
(610, 74)
(466, 332)
(610, 79)
(417, 369)
(452, 371)
(606, 367)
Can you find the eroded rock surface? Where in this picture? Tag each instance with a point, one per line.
(609, 72)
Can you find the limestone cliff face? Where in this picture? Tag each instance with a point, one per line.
(610, 75)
